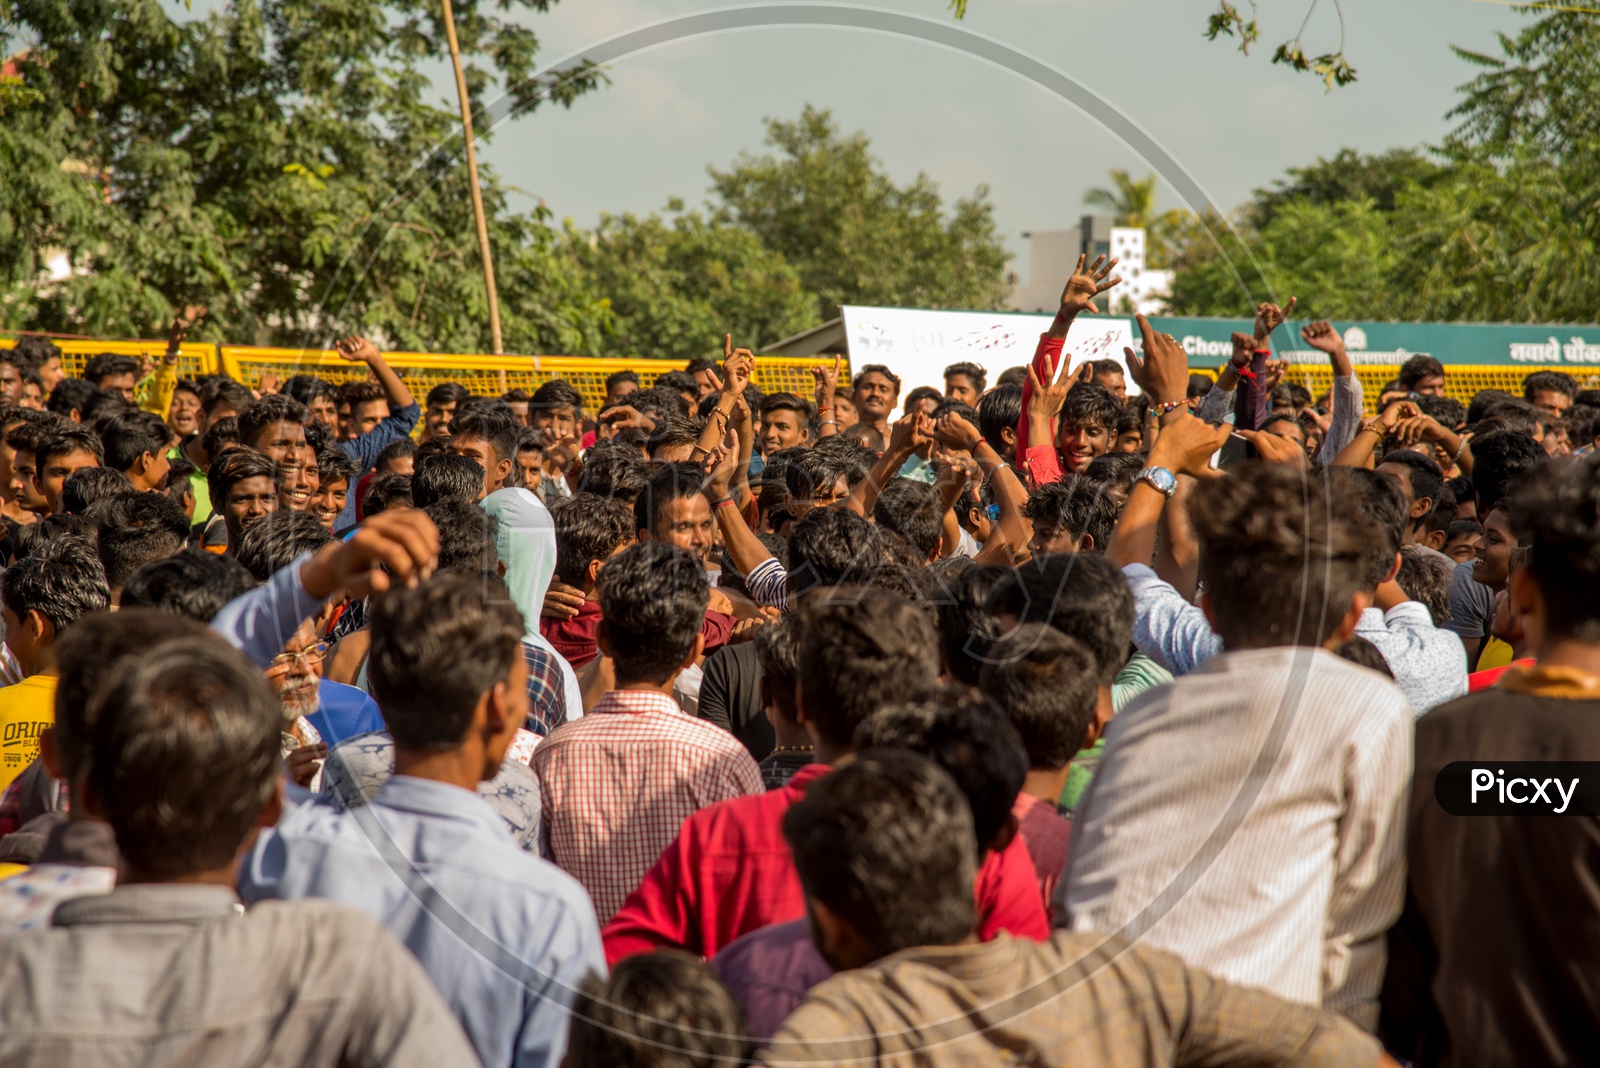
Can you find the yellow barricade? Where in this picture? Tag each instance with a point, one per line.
(1461, 380)
(193, 359)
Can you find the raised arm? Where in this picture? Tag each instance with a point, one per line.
(909, 434)
(1076, 299)
(827, 386)
(360, 350)
(1015, 531)
(736, 368)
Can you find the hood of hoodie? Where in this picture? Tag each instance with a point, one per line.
(526, 539)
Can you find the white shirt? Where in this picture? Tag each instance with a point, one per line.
(1250, 818)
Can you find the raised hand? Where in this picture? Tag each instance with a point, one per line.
(394, 548)
(1163, 373)
(1273, 374)
(1322, 336)
(954, 432)
(1269, 317)
(1186, 445)
(910, 433)
(827, 381)
(737, 367)
(1275, 450)
(1085, 285)
(1046, 400)
(1244, 347)
(356, 349)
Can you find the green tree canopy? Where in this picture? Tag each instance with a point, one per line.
(822, 202)
(677, 284)
(275, 162)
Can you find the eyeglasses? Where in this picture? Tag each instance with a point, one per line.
(311, 654)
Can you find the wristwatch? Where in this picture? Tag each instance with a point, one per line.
(1160, 478)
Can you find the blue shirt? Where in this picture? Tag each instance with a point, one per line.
(344, 712)
(1429, 664)
(505, 936)
(365, 449)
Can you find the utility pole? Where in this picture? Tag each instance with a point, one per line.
(472, 177)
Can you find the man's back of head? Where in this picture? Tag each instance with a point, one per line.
(1083, 595)
(657, 1010)
(653, 599)
(1558, 515)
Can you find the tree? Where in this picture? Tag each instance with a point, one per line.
(822, 202)
(1131, 202)
(276, 163)
(676, 285)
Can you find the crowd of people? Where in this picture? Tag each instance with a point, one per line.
(1050, 722)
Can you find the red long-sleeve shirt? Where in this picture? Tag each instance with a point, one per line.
(1042, 464)
(729, 872)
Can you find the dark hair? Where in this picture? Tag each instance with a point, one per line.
(860, 650)
(778, 653)
(184, 754)
(136, 529)
(218, 391)
(915, 511)
(804, 471)
(976, 376)
(466, 537)
(556, 393)
(617, 377)
(447, 477)
(830, 547)
(1359, 650)
(1274, 529)
(130, 435)
(588, 528)
(1447, 411)
(234, 467)
(27, 436)
(864, 434)
(37, 351)
(1047, 684)
(666, 483)
(1557, 515)
(1513, 414)
(678, 381)
(1459, 527)
(1199, 386)
(653, 599)
(395, 450)
(87, 654)
(384, 492)
(1090, 405)
(276, 539)
(1012, 376)
(1548, 382)
(1500, 461)
(885, 822)
(220, 436)
(959, 590)
(1426, 579)
(71, 395)
(495, 425)
(955, 407)
(105, 364)
(307, 388)
(1080, 505)
(436, 649)
(89, 485)
(180, 481)
(671, 432)
(1117, 471)
(1417, 368)
(1377, 496)
(915, 398)
(61, 580)
(614, 470)
(1082, 595)
(967, 735)
(361, 392)
(875, 368)
(663, 1009)
(258, 415)
(790, 403)
(334, 465)
(51, 528)
(195, 585)
(65, 441)
(447, 393)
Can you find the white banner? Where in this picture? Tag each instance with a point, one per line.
(919, 345)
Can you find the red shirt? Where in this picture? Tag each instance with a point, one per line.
(1482, 680)
(1043, 465)
(729, 872)
(1046, 835)
(574, 638)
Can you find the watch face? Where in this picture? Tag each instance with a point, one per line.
(1160, 478)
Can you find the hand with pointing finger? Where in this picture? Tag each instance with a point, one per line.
(1163, 372)
(1269, 317)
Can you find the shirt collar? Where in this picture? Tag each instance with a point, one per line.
(1371, 619)
(424, 797)
(1551, 682)
(150, 903)
(636, 701)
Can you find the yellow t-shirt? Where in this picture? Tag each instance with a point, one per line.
(1496, 653)
(26, 708)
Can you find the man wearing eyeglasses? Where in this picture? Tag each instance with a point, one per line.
(317, 712)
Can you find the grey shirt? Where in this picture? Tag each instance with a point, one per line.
(176, 974)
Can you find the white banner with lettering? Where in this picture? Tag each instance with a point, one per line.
(919, 345)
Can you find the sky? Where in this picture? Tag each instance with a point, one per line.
(1233, 122)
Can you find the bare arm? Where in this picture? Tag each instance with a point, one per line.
(910, 433)
(827, 386)
(1015, 531)
(1177, 549)
(360, 350)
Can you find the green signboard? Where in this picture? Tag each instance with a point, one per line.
(1207, 341)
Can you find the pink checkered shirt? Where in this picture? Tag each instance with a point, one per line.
(618, 783)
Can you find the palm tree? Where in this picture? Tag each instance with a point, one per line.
(1132, 203)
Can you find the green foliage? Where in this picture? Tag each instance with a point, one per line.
(821, 202)
(676, 285)
(1501, 226)
(276, 163)
(1131, 201)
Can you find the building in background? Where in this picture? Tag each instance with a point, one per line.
(1054, 254)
